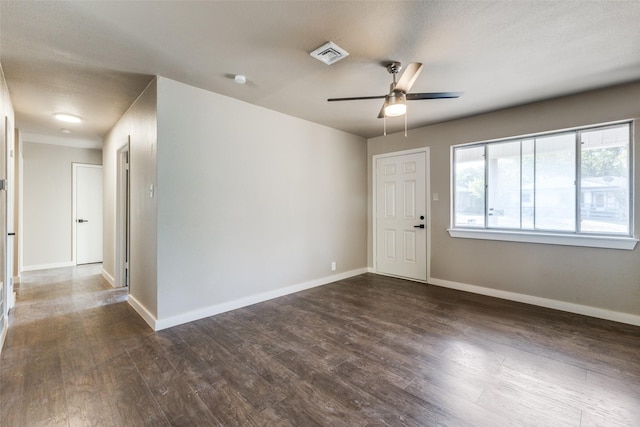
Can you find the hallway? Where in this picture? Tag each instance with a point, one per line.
(65, 356)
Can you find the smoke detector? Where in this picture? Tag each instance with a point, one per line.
(329, 53)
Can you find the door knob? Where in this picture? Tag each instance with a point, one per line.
(419, 226)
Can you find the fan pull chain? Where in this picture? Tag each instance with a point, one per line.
(384, 121)
(405, 125)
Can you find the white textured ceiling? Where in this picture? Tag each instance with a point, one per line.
(94, 58)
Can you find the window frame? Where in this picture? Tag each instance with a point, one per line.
(577, 237)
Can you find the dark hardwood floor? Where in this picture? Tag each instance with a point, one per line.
(366, 351)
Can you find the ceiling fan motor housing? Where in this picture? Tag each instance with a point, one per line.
(394, 67)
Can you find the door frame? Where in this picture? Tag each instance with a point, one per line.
(123, 216)
(74, 209)
(427, 199)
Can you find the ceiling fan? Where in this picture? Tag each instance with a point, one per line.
(395, 101)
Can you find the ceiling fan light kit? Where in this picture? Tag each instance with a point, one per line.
(395, 102)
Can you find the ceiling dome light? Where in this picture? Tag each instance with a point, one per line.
(395, 104)
(240, 79)
(69, 118)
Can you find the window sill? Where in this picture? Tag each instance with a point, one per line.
(607, 242)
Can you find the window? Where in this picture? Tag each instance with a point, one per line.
(571, 183)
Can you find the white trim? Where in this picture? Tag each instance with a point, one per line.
(212, 310)
(600, 313)
(108, 277)
(122, 214)
(607, 242)
(48, 266)
(143, 312)
(427, 165)
(3, 333)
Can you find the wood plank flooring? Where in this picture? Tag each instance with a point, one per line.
(365, 351)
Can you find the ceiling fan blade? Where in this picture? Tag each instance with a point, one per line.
(433, 95)
(356, 98)
(408, 78)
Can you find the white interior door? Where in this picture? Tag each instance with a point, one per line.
(4, 297)
(88, 213)
(401, 233)
(10, 192)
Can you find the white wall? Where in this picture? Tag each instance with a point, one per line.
(579, 278)
(251, 202)
(47, 202)
(139, 122)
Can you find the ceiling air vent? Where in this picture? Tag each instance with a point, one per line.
(329, 53)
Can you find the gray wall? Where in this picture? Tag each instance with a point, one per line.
(247, 202)
(602, 278)
(250, 201)
(47, 202)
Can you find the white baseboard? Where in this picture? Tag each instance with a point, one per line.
(250, 300)
(143, 312)
(3, 334)
(600, 313)
(47, 266)
(109, 278)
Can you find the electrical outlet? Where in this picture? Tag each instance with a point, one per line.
(333, 266)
